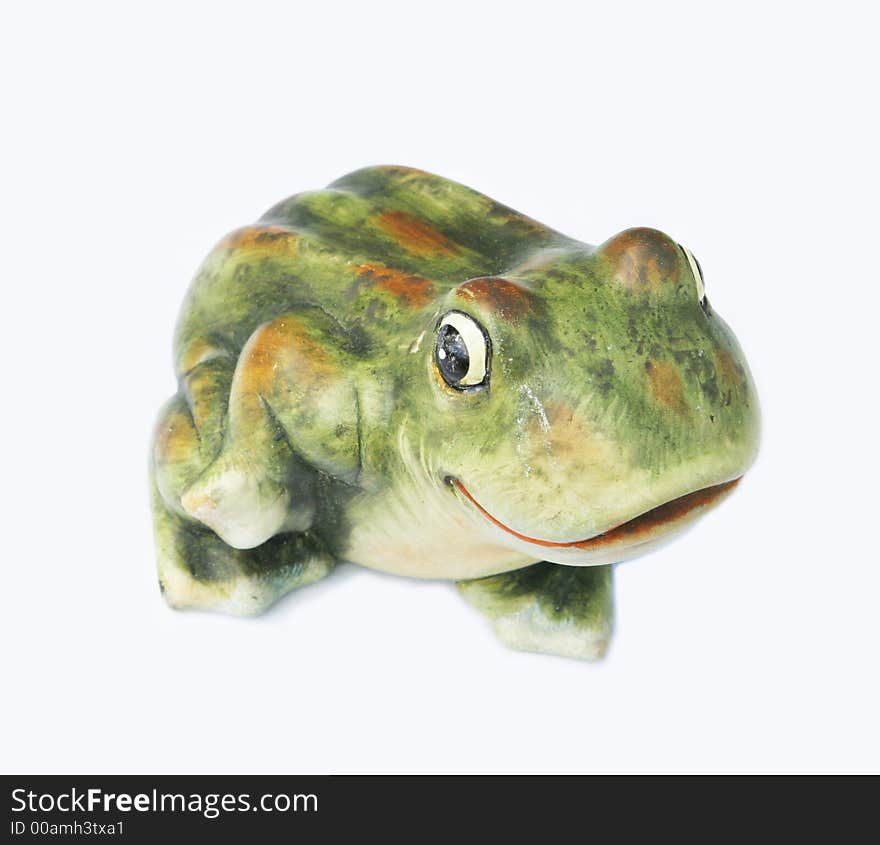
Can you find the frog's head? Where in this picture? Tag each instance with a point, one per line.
(589, 403)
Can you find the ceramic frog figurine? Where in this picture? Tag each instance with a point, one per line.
(401, 373)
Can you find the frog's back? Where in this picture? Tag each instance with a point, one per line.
(373, 250)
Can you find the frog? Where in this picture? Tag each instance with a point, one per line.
(401, 373)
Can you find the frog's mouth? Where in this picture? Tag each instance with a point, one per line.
(638, 530)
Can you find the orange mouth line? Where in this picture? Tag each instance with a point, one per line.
(668, 512)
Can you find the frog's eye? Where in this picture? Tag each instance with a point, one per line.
(462, 351)
(697, 273)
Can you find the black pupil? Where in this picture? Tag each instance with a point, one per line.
(452, 355)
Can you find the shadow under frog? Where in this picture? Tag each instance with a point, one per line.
(401, 373)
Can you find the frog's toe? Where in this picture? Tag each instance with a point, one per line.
(548, 608)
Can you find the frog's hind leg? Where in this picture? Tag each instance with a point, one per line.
(546, 607)
(196, 568)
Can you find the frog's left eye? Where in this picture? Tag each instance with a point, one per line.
(462, 351)
(697, 273)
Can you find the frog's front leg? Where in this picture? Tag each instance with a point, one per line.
(196, 567)
(550, 608)
(293, 414)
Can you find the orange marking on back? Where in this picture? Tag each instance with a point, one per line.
(413, 290)
(414, 235)
(270, 240)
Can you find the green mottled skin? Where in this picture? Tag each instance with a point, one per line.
(312, 424)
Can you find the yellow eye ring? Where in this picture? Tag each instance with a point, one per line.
(697, 272)
(462, 351)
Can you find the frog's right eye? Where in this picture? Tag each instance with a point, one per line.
(461, 351)
(697, 272)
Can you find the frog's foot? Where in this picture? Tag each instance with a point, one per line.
(545, 607)
(243, 505)
(197, 569)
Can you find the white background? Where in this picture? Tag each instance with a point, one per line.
(132, 140)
